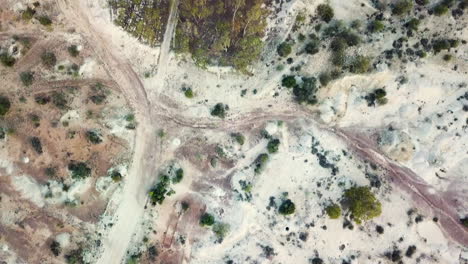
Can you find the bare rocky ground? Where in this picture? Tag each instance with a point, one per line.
(323, 150)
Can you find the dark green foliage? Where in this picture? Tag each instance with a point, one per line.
(207, 219)
(413, 24)
(287, 207)
(284, 49)
(7, 60)
(98, 94)
(179, 175)
(27, 78)
(79, 170)
(44, 20)
(240, 139)
(338, 45)
(48, 59)
(376, 26)
(73, 51)
(55, 248)
(422, 2)
(464, 221)
(188, 93)
(325, 78)
(93, 137)
(75, 257)
(360, 64)
(260, 162)
(50, 172)
(351, 38)
(4, 105)
(362, 203)
(160, 190)
(380, 93)
(59, 100)
(325, 12)
(305, 92)
(36, 144)
(42, 99)
(447, 57)
(116, 176)
(440, 10)
(273, 145)
(289, 81)
(441, 44)
(410, 251)
(219, 110)
(333, 211)
(312, 47)
(28, 14)
(402, 7)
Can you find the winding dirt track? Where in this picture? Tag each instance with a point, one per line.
(151, 111)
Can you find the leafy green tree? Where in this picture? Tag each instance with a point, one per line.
(413, 24)
(362, 203)
(179, 175)
(7, 60)
(79, 170)
(325, 12)
(402, 7)
(376, 26)
(287, 207)
(284, 49)
(333, 211)
(93, 137)
(440, 9)
(4, 105)
(160, 190)
(325, 78)
(289, 81)
(305, 93)
(207, 220)
(273, 145)
(44, 20)
(360, 64)
(260, 162)
(73, 50)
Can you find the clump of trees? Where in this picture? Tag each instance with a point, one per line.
(160, 190)
(221, 32)
(4, 105)
(305, 92)
(73, 50)
(7, 60)
(464, 221)
(55, 248)
(116, 176)
(219, 110)
(287, 207)
(333, 211)
(179, 175)
(79, 170)
(362, 203)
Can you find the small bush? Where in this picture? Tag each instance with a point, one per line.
(188, 93)
(93, 137)
(333, 211)
(284, 49)
(312, 47)
(440, 10)
(360, 64)
(240, 139)
(325, 78)
(447, 57)
(207, 220)
(55, 248)
(441, 44)
(338, 45)
(305, 93)
(376, 26)
(410, 251)
(402, 7)
(179, 175)
(221, 230)
(325, 12)
(362, 203)
(413, 24)
(28, 14)
(50, 172)
(464, 221)
(44, 20)
(260, 162)
(158, 193)
(27, 78)
(7, 60)
(219, 110)
(287, 207)
(289, 81)
(59, 100)
(48, 59)
(36, 144)
(273, 145)
(4, 105)
(73, 50)
(79, 170)
(116, 176)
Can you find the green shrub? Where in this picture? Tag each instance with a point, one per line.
(27, 78)
(422, 2)
(441, 44)
(287, 207)
(79, 170)
(376, 26)
(48, 59)
(4, 105)
(305, 93)
(160, 190)
(28, 14)
(179, 175)
(360, 64)
(240, 139)
(116, 176)
(401, 7)
(333, 211)
(36, 144)
(260, 162)
(93, 137)
(7, 60)
(221, 230)
(464, 221)
(289, 81)
(447, 57)
(42, 99)
(219, 110)
(338, 45)
(44, 20)
(207, 220)
(440, 10)
(59, 100)
(73, 50)
(413, 24)
(188, 93)
(325, 12)
(273, 145)
(312, 47)
(284, 49)
(362, 203)
(325, 78)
